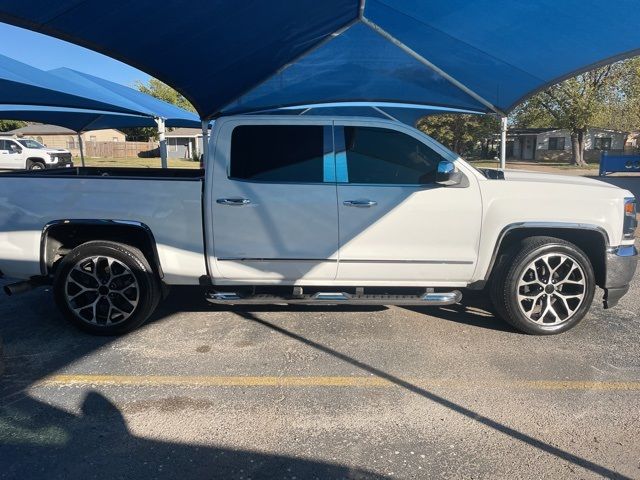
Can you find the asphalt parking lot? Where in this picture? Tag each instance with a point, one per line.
(283, 392)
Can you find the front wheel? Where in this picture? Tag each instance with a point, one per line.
(545, 286)
(35, 165)
(106, 288)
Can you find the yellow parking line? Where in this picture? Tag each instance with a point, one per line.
(214, 381)
(322, 381)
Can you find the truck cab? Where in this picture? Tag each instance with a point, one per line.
(18, 153)
(353, 203)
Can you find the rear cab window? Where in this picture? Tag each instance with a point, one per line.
(278, 153)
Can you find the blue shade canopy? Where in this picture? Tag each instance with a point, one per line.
(26, 85)
(78, 120)
(78, 101)
(174, 116)
(234, 57)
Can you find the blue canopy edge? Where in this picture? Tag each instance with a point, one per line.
(236, 57)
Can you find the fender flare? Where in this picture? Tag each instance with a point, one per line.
(44, 250)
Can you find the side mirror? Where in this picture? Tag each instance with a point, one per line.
(447, 174)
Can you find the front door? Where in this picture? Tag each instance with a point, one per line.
(10, 157)
(397, 226)
(528, 149)
(275, 216)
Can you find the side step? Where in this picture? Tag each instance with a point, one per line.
(335, 298)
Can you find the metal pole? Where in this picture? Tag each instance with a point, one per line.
(503, 142)
(163, 142)
(81, 148)
(205, 141)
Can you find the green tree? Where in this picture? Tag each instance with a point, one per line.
(158, 89)
(8, 125)
(591, 99)
(462, 133)
(162, 91)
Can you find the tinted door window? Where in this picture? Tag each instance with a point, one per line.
(3, 145)
(277, 153)
(12, 146)
(381, 156)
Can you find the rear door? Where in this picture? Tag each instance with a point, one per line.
(397, 226)
(273, 205)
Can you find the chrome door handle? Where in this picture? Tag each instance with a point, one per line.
(234, 202)
(359, 203)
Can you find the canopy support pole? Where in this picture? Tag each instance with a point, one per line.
(390, 117)
(81, 146)
(205, 142)
(409, 51)
(163, 142)
(503, 142)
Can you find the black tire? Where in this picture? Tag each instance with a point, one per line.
(515, 264)
(35, 165)
(140, 283)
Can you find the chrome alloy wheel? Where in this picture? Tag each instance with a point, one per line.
(551, 289)
(101, 290)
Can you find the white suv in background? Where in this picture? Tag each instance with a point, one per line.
(27, 154)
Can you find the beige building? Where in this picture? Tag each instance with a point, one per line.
(59, 137)
(552, 144)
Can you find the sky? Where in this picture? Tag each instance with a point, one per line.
(47, 53)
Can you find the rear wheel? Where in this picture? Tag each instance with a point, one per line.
(544, 286)
(106, 288)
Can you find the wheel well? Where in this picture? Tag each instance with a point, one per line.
(35, 160)
(592, 242)
(59, 238)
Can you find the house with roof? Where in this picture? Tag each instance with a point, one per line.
(552, 144)
(184, 143)
(633, 140)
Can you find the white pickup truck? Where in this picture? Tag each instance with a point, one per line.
(318, 210)
(27, 154)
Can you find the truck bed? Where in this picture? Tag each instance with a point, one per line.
(166, 201)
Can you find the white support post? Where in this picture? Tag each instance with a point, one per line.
(163, 142)
(205, 141)
(503, 142)
(81, 146)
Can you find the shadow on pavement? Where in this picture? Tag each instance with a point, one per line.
(43, 442)
(475, 310)
(38, 440)
(486, 421)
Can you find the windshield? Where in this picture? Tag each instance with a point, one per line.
(31, 144)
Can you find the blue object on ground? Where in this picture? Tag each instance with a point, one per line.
(618, 163)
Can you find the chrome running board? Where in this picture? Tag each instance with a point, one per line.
(335, 298)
